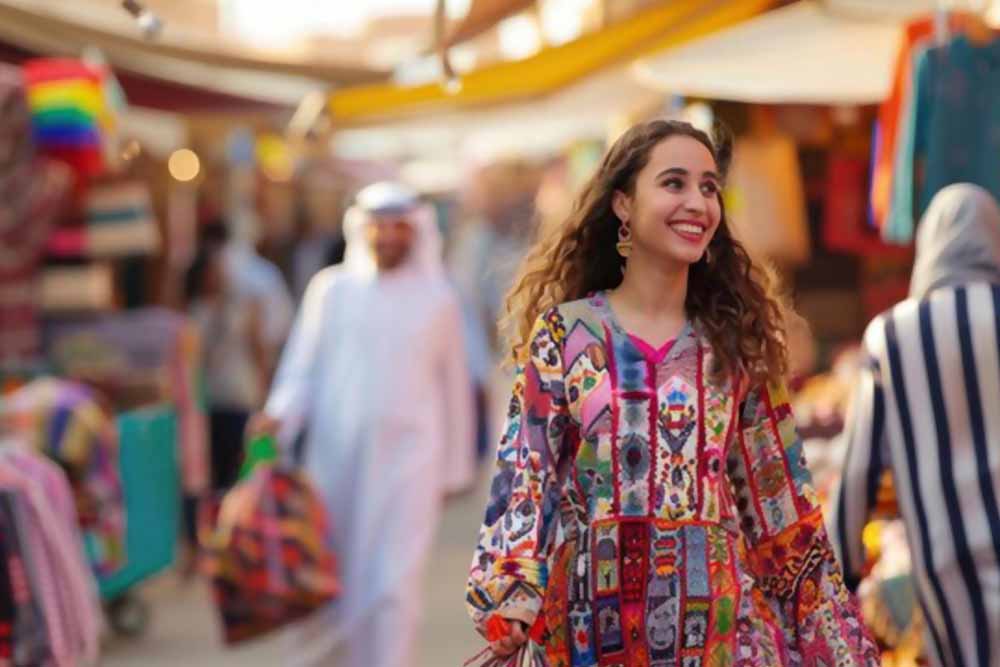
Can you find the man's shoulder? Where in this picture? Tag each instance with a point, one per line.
(889, 323)
(904, 318)
(945, 299)
(327, 279)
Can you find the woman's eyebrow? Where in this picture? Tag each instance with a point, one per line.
(680, 171)
(677, 171)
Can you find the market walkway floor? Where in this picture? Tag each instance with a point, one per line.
(184, 629)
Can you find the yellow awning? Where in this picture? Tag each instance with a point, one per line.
(655, 29)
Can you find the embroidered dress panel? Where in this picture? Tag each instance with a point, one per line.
(645, 513)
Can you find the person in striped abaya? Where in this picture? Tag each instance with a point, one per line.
(927, 408)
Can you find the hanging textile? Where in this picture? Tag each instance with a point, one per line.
(54, 553)
(845, 219)
(32, 192)
(139, 358)
(24, 633)
(951, 131)
(916, 35)
(148, 444)
(118, 222)
(64, 421)
(69, 112)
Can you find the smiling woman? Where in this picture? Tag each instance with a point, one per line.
(643, 184)
(652, 504)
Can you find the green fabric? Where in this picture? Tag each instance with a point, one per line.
(259, 451)
(950, 129)
(151, 483)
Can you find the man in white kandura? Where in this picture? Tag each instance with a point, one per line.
(375, 369)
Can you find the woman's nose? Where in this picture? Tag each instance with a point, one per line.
(695, 205)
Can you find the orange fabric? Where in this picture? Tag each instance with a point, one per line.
(917, 32)
(888, 118)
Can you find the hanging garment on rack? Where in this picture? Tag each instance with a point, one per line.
(64, 421)
(845, 219)
(24, 633)
(150, 353)
(951, 131)
(915, 36)
(66, 589)
(32, 192)
(120, 221)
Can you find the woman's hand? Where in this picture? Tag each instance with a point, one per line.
(515, 639)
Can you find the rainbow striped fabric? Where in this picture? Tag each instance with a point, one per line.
(69, 111)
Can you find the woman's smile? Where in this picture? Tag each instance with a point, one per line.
(689, 230)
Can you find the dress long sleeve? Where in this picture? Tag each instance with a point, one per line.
(293, 381)
(862, 470)
(509, 572)
(802, 595)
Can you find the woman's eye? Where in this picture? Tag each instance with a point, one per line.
(673, 183)
(709, 189)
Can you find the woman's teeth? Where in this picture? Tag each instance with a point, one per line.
(688, 229)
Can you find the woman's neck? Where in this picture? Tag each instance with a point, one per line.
(653, 288)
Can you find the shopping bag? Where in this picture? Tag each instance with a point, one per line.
(268, 557)
(531, 653)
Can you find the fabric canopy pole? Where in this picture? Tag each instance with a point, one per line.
(483, 15)
(660, 27)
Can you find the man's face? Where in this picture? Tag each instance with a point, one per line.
(391, 239)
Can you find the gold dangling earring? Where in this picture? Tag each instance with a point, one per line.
(624, 244)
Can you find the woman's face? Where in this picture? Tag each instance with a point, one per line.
(674, 209)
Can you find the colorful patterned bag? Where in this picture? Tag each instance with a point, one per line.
(530, 654)
(268, 556)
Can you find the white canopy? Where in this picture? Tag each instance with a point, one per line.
(181, 55)
(806, 53)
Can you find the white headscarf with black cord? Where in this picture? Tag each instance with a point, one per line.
(379, 202)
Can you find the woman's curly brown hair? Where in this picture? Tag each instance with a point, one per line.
(731, 298)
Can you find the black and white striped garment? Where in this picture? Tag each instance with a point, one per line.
(928, 407)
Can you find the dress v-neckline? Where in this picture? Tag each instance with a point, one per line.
(653, 354)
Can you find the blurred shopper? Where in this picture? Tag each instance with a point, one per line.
(254, 278)
(651, 503)
(234, 356)
(321, 212)
(376, 370)
(926, 409)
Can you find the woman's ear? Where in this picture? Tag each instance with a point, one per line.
(621, 205)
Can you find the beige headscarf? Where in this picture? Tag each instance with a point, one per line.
(958, 241)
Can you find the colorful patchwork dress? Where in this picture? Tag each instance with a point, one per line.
(645, 514)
